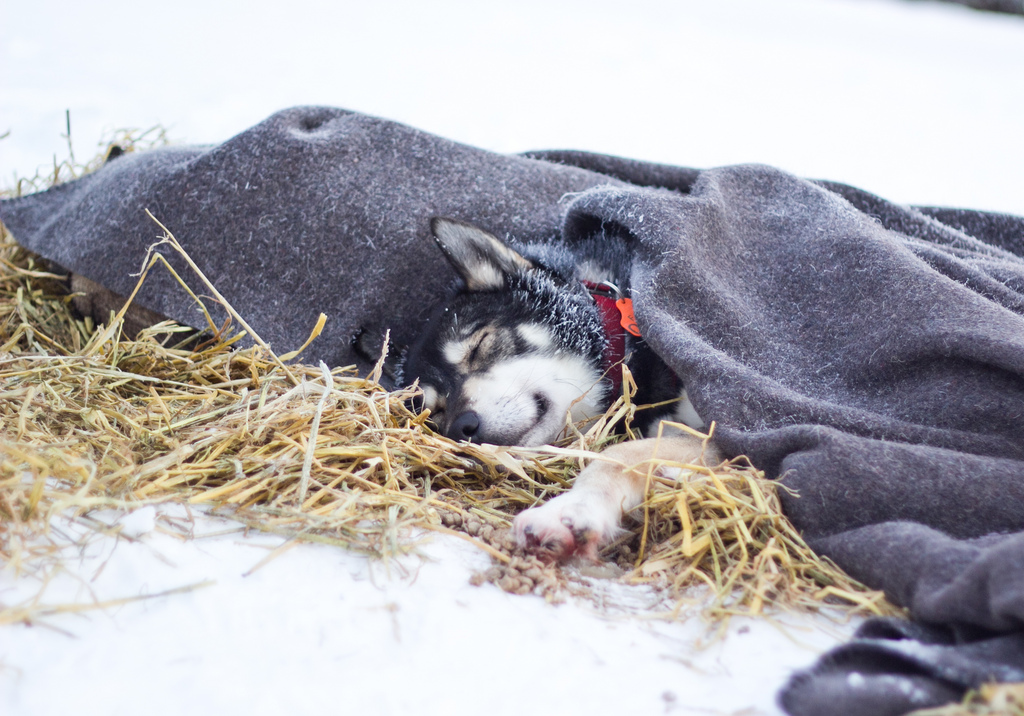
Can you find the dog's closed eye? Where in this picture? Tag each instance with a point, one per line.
(482, 343)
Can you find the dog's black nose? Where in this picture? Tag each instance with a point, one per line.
(465, 427)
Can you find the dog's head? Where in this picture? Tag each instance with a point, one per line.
(514, 351)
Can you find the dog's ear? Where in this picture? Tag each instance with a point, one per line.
(370, 346)
(478, 257)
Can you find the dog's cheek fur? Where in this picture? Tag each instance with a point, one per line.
(524, 401)
(536, 336)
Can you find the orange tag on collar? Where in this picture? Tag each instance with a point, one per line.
(628, 321)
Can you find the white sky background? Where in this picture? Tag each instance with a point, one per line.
(918, 102)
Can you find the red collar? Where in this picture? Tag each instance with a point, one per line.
(618, 319)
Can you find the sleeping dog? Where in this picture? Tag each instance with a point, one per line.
(535, 336)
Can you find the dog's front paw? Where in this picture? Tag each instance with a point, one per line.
(570, 525)
(583, 520)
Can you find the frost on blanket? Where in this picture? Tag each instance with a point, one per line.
(869, 354)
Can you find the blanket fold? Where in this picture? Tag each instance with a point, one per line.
(869, 355)
(313, 210)
(893, 667)
(872, 357)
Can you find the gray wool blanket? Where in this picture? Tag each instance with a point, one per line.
(869, 355)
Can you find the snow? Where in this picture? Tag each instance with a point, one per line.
(314, 628)
(918, 102)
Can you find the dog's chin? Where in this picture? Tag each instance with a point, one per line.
(520, 427)
(524, 425)
(540, 434)
(553, 426)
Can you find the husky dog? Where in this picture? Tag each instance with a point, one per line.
(533, 337)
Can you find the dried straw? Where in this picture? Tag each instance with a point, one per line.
(95, 421)
(989, 700)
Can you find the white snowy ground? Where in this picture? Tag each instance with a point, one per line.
(319, 630)
(919, 102)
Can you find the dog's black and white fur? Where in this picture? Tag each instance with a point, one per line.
(521, 348)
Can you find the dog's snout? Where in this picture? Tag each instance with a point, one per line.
(465, 427)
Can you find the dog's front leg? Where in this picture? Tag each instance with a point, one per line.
(585, 519)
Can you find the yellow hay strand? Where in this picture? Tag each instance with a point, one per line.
(989, 700)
